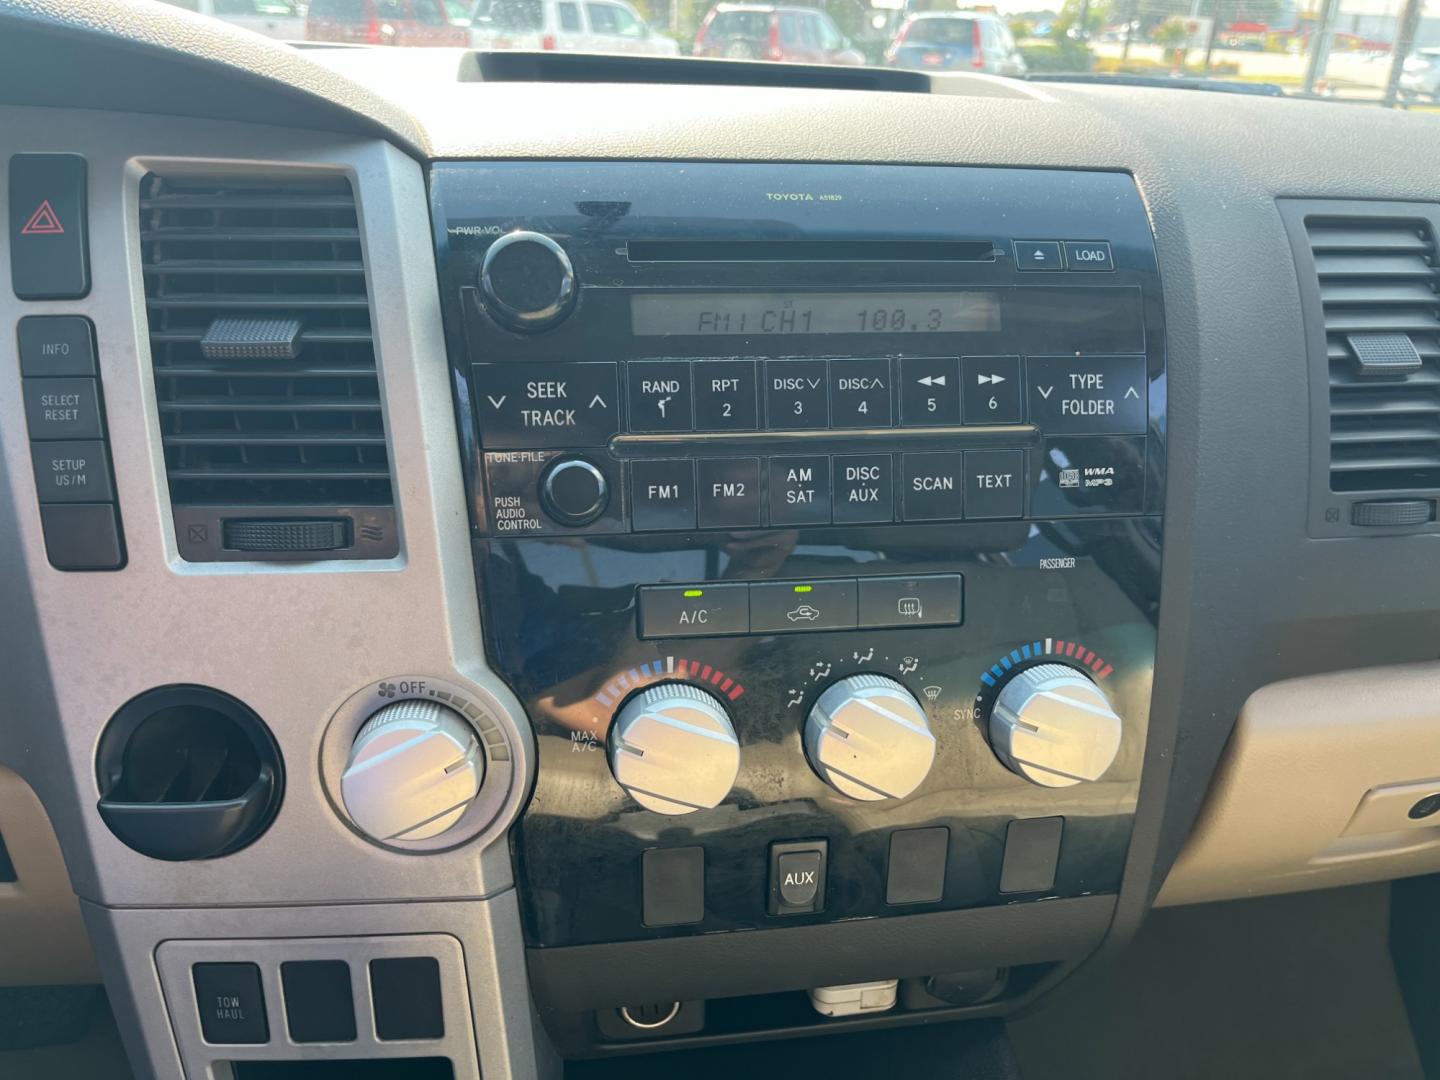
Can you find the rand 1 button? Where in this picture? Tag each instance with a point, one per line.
(994, 484)
(668, 611)
(542, 405)
(860, 393)
(1088, 395)
(659, 395)
(797, 394)
(726, 396)
(934, 486)
(56, 345)
(728, 493)
(62, 408)
(49, 245)
(1087, 474)
(790, 606)
(69, 471)
(990, 388)
(800, 490)
(662, 495)
(1088, 255)
(231, 1003)
(864, 489)
(929, 391)
(928, 600)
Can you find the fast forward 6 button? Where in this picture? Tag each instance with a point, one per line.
(991, 389)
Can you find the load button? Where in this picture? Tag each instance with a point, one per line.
(1088, 255)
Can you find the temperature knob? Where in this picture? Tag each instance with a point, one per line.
(868, 738)
(1054, 727)
(413, 771)
(674, 750)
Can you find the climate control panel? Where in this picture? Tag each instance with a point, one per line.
(820, 541)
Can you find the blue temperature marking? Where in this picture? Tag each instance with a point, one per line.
(1005, 663)
(997, 671)
(988, 679)
(1025, 651)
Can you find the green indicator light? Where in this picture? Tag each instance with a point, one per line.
(804, 588)
(691, 594)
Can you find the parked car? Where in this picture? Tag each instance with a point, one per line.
(601, 26)
(383, 22)
(1421, 75)
(965, 41)
(273, 18)
(800, 35)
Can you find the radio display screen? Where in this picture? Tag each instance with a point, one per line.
(761, 313)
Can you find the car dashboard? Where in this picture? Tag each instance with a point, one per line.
(536, 559)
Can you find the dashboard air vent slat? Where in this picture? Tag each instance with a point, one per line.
(264, 361)
(1378, 293)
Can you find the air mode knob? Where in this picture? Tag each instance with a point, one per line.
(673, 749)
(868, 738)
(1054, 727)
(414, 769)
(527, 282)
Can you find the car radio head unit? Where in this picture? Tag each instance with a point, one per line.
(824, 524)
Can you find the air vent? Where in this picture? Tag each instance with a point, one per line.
(1378, 283)
(265, 374)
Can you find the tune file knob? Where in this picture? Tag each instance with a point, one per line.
(1054, 727)
(868, 738)
(414, 769)
(674, 750)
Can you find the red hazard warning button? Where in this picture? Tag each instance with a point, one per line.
(49, 248)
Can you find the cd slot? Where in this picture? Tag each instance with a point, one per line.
(755, 251)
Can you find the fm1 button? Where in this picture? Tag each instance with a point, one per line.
(934, 486)
(994, 483)
(864, 489)
(671, 611)
(660, 396)
(797, 877)
(662, 495)
(991, 389)
(800, 491)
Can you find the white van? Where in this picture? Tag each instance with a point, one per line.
(274, 18)
(601, 26)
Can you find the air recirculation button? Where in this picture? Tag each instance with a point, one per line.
(187, 772)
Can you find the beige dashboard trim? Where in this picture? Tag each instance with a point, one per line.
(1315, 789)
(42, 937)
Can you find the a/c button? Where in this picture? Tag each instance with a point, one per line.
(668, 611)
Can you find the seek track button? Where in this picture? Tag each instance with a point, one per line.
(537, 406)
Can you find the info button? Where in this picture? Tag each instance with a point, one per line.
(670, 611)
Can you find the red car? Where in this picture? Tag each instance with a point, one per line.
(800, 35)
(384, 22)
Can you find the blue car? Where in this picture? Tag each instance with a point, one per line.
(965, 41)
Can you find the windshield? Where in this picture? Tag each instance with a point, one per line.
(1384, 52)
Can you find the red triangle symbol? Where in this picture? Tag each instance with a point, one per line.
(43, 222)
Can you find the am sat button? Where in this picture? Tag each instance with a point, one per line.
(668, 611)
(1088, 255)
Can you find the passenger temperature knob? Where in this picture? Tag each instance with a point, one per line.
(1054, 727)
(868, 738)
(414, 769)
(673, 749)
